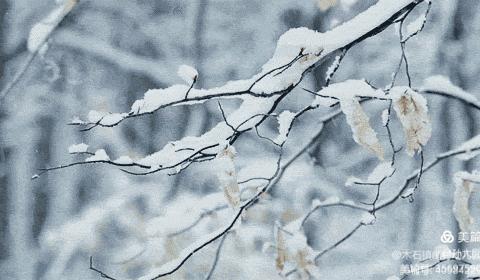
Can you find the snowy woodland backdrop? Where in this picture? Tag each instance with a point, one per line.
(306, 156)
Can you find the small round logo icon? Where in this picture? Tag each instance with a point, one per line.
(447, 237)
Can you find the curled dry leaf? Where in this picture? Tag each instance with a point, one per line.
(412, 111)
(358, 120)
(463, 190)
(281, 249)
(292, 248)
(227, 175)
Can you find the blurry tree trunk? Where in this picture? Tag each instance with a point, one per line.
(3, 165)
(197, 117)
(458, 119)
(21, 201)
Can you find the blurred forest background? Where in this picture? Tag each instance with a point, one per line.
(106, 54)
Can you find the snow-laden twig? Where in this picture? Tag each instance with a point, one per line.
(298, 51)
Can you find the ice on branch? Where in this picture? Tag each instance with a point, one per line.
(100, 155)
(472, 148)
(227, 175)
(78, 148)
(463, 189)
(41, 31)
(285, 120)
(412, 111)
(187, 73)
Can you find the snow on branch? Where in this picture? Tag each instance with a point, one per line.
(442, 85)
(41, 31)
(297, 52)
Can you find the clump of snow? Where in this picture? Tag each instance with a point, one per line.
(227, 175)
(187, 73)
(468, 146)
(379, 173)
(285, 120)
(95, 116)
(78, 148)
(408, 192)
(42, 30)
(367, 219)
(77, 121)
(331, 69)
(416, 25)
(100, 155)
(123, 160)
(385, 117)
(351, 181)
(443, 84)
(331, 200)
(384, 169)
(315, 203)
(112, 119)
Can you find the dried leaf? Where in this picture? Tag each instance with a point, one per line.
(463, 189)
(412, 111)
(227, 176)
(363, 133)
(281, 249)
